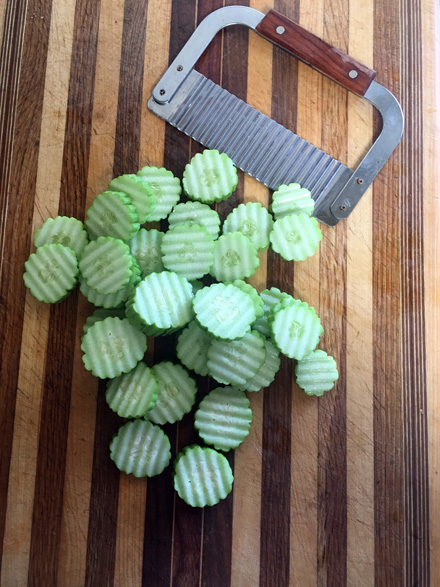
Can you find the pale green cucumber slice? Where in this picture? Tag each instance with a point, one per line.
(291, 199)
(112, 300)
(202, 476)
(233, 362)
(252, 292)
(266, 373)
(224, 310)
(235, 257)
(296, 237)
(177, 393)
(133, 394)
(141, 194)
(196, 213)
(51, 272)
(145, 246)
(106, 264)
(101, 314)
(270, 297)
(252, 220)
(209, 177)
(188, 250)
(112, 214)
(112, 347)
(166, 189)
(63, 230)
(192, 348)
(162, 301)
(141, 449)
(316, 373)
(223, 418)
(296, 330)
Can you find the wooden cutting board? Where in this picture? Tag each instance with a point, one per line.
(342, 490)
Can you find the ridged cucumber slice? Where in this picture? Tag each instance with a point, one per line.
(166, 189)
(51, 272)
(177, 393)
(316, 373)
(296, 330)
(63, 230)
(209, 177)
(291, 199)
(223, 418)
(202, 476)
(141, 194)
(141, 449)
(235, 257)
(188, 250)
(233, 362)
(101, 314)
(252, 292)
(296, 237)
(112, 347)
(112, 214)
(266, 373)
(252, 220)
(270, 297)
(196, 213)
(145, 246)
(192, 348)
(224, 310)
(133, 394)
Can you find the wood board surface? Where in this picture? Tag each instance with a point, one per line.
(342, 490)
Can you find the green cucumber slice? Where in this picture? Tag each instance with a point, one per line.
(316, 373)
(192, 348)
(196, 213)
(188, 250)
(112, 214)
(296, 237)
(141, 449)
(177, 393)
(266, 373)
(223, 418)
(101, 314)
(112, 347)
(51, 272)
(291, 199)
(296, 330)
(270, 297)
(209, 177)
(166, 189)
(133, 394)
(112, 300)
(252, 220)
(252, 292)
(235, 257)
(202, 476)
(141, 194)
(145, 246)
(63, 230)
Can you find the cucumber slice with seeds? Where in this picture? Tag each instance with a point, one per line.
(192, 348)
(252, 220)
(133, 394)
(196, 213)
(51, 272)
(235, 257)
(145, 246)
(112, 214)
(291, 199)
(202, 476)
(252, 292)
(112, 300)
(166, 189)
(266, 373)
(296, 237)
(316, 373)
(296, 330)
(188, 250)
(209, 177)
(141, 195)
(223, 418)
(141, 449)
(63, 230)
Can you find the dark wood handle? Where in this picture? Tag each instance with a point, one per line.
(315, 52)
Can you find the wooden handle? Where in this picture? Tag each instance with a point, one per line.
(315, 52)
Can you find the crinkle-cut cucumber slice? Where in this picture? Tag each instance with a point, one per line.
(63, 230)
(188, 250)
(145, 246)
(112, 347)
(133, 394)
(177, 393)
(141, 194)
(296, 330)
(112, 300)
(112, 214)
(296, 237)
(224, 310)
(291, 199)
(252, 292)
(161, 301)
(51, 272)
(223, 418)
(196, 213)
(252, 220)
(101, 314)
(209, 177)
(233, 362)
(270, 297)
(235, 257)
(316, 373)
(141, 449)
(166, 189)
(192, 348)
(106, 264)
(202, 476)
(266, 373)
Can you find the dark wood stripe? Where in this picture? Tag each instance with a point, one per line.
(22, 75)
(415, 413)
(387, 371)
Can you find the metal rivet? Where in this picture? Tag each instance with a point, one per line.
(359, 180)
(179, 67)
(342, 208)
(353, 74)
(280, 30)
(162, 92)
